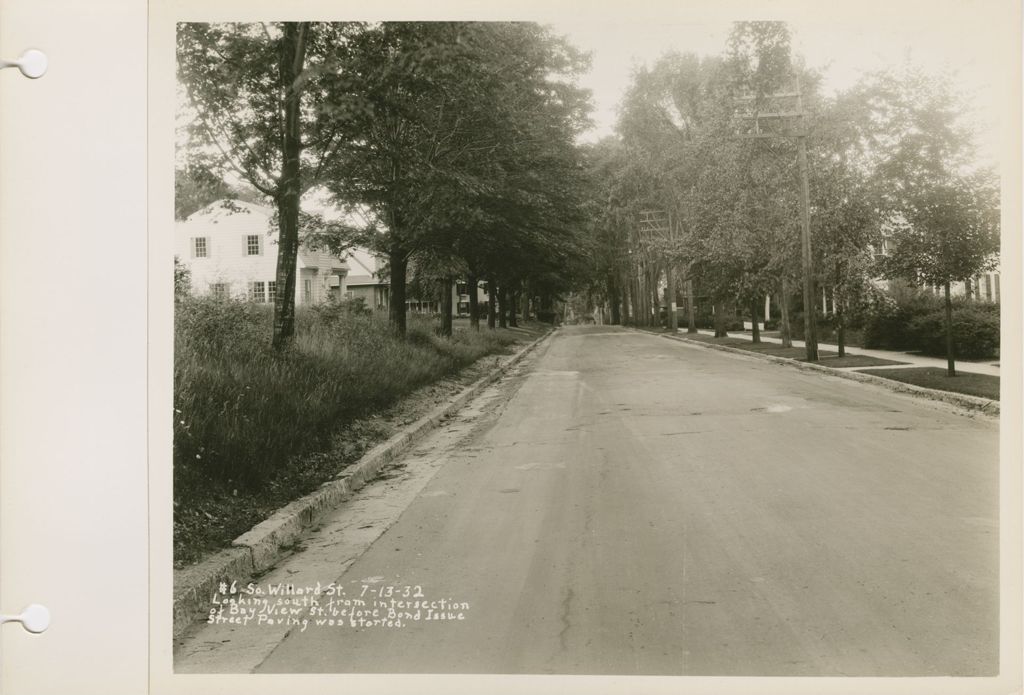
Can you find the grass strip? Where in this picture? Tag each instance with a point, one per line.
(982, 385)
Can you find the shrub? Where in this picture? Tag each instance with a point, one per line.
(917, 321)
(887, 322)
(975, 332)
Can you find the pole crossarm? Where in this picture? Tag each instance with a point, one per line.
(790, 112)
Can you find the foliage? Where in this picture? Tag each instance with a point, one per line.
(182, 279)
(975, 332)
(950, 233)
(887, 321)
(195, 187)
(916, 321)
(465, 151)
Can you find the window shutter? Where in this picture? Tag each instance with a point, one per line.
(245, 245)
(261, 243)
(192, 247)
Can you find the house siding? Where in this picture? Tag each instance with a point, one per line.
(228, 263)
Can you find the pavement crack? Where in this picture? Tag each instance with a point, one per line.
(563, 639)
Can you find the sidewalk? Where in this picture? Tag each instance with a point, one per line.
(912, 360)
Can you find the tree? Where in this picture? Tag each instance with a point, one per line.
(951, 233)
(469, 150)
(942, 209)
(845, 207)
(255, 91)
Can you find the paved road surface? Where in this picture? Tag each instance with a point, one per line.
(638, 506)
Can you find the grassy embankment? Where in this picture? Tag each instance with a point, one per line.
(254, 429)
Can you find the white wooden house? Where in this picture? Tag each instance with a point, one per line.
(230, 247)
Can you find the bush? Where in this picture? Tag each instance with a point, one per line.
(887, 322)
(917, 321)
(242, 410)
(975, 333)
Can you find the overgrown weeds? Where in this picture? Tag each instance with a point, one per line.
(242, 410)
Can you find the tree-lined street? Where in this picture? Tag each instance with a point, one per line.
(645, 494)
(626, 504)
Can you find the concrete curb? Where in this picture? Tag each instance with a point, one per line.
(260, 547)
(974, 404)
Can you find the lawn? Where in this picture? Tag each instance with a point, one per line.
(832, 360)
(983, 385)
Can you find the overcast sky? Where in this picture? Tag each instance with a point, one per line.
(843, 51)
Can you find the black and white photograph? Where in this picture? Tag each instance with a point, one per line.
(604, 346)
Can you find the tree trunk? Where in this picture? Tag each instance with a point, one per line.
(691, 320)
(721, 320)
(670, 300)
(614, 302)
(624, 311)
(755, 329)
(293, 55)
(474, 302)
(634, 298)
(787, 334)
(950, 366)
(502, 307)
(837, 303)
(446, 306)
(491, 301)
(637, 298)
(514, 300)
(655, 275)
(397, 259)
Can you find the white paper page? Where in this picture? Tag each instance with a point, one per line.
(73, 526)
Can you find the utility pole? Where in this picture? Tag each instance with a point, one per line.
(670, 282)
(654, 232)
(807, 258)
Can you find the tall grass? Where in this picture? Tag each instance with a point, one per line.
(242, 410)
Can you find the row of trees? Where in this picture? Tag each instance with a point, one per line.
(888, 158)
(455, 140)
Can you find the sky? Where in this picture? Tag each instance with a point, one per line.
(843, 51)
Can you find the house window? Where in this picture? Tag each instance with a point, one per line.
(219, 290)
(200, 248)
(307, 291)
(257, 292)
(252, 245)
(271, 291)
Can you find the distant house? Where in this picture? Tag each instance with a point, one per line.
(230, 247)
(366, 281)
